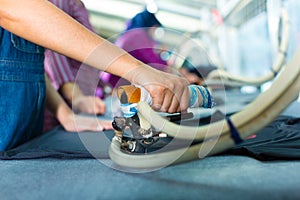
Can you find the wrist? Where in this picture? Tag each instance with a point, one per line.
(71, 92)
(64, 114)
(139, 74)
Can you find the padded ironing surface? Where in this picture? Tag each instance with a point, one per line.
(216, 177)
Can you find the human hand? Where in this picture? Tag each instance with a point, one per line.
(89, 104)
(79, 123)
(169, 92)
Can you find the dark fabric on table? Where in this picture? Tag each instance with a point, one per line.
(65, 145)
(280, 140)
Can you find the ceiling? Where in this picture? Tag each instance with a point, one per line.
(182, 19)
(109, 16)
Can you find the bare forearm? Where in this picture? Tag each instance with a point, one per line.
(68, 119)
(48, 26)
(42, 23)
(55, 104)
(70, 91)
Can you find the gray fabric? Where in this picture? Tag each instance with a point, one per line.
(216, 177)
(222, 177)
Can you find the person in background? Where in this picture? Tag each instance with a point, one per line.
(139, 41)
(62, 72)
(26, 28)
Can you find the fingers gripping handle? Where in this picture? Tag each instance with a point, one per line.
(199, 96)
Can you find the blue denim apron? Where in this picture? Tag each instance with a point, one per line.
(22, 90)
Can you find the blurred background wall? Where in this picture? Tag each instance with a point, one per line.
(239, 35)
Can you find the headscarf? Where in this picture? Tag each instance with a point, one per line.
(143, 19)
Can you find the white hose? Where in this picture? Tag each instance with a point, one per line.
(252, 118)
(236, 80)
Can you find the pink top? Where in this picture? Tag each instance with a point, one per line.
(62, 69)
(140, 45)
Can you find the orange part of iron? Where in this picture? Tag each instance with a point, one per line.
(133, 93)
